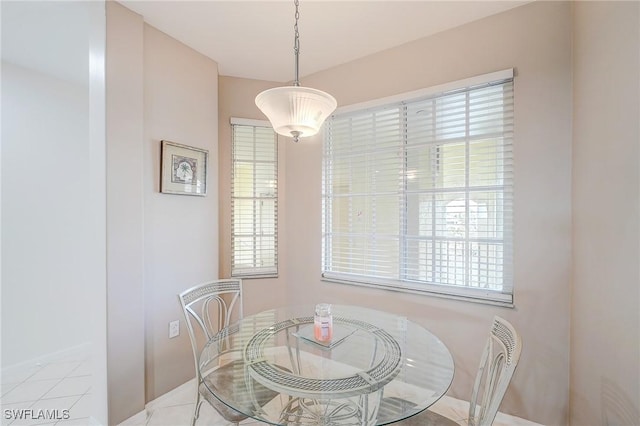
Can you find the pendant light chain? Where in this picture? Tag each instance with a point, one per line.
(296, 111)
(296, 43)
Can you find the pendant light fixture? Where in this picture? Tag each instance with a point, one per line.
(296, 111)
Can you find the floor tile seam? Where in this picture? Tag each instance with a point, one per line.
(79, 399)
(40, 397)
(41, 367)
(29, 407)
(2, 394)
(173, 405)
(5, 384)
(71, 376)
(61, 397)
(73, 405)
(25, 379)
(50, 363)
(52, 388)
(77, 366)
(42, 380)
(88, 391)
(60, 422)
(36, 424)
(151, 413)
(22, 402)
(80, 395)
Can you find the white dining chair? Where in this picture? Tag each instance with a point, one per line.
(497, 365)
(208, 309)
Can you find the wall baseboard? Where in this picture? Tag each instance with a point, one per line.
(74, 353)
(138, 419)
(163, 399)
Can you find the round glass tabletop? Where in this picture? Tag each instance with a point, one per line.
(378, 368)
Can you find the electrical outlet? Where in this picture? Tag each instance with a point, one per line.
(174, 329)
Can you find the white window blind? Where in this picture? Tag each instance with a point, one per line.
(254, 199)
(418, 194)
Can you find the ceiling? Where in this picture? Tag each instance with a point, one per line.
(254, 39)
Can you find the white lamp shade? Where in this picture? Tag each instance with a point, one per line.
(295, 110)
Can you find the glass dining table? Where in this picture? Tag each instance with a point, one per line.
(378, 368)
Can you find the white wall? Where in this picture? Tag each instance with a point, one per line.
(53, 222)
(605, 309)
(44, 214)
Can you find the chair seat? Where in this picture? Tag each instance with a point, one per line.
(222, 378)
(200, 304)
(424, 418)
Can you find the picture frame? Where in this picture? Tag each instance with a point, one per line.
(183, 169)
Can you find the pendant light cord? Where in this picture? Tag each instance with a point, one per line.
(296, 43)
(296, 111)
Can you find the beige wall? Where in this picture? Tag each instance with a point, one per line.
(125, 214)
(181, 232)
(605, 310)
(536, 40)
(160, 244)
(236, 99)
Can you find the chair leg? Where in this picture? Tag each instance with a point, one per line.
(196, 412)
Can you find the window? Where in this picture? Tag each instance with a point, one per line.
(418, 192)
(254, 199)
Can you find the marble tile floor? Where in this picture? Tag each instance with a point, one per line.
(48, 393)
(65, 384)
(62, 389)
(175, 408)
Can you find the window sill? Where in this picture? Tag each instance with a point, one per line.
(463, 295)
(254, 276)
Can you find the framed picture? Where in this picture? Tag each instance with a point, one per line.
(183, 169)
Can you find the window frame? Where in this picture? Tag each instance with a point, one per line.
(401, 283)
(253, 272)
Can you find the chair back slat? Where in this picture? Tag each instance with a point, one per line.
(208, 309)
(497, 365)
